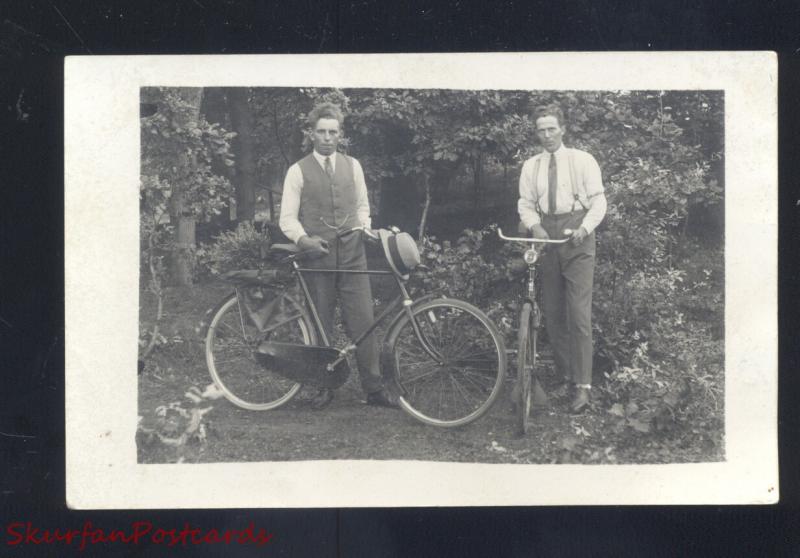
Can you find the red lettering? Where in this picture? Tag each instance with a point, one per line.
(212, 537)
(263, 537)
(117, 535)
(98, 536)
(30, 534)
(160, 534)
(197, 536)
(184, 534)
(85, 534)
(19, 532)
(12, 533)
(140, 529)
(248, 533)
(172, 537)
(66, 536)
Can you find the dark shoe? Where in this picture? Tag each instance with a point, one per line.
(581, 400)
(382, 398)
(322, 399)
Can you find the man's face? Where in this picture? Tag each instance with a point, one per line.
(326, 136)
(549, 132)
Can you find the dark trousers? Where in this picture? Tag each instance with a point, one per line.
(354, 294)
(567, 275)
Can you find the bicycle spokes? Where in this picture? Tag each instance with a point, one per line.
(461, 377)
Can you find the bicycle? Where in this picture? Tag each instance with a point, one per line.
(443, 356)
(530, 321)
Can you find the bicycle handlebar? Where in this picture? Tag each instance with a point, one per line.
(368, 232)
(567, 232)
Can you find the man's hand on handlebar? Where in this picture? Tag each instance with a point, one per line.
(579, 236)
(313, 244)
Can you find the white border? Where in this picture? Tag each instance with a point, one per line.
(101, 253)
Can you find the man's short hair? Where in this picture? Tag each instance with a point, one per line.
(325, 110)
(549, 110)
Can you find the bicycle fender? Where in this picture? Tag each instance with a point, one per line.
(388, 369)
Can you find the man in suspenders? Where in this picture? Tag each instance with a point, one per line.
(325, 193)
(562, 188)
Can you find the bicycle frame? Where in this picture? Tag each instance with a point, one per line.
(404, 299)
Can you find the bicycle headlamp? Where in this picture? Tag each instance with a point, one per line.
(530, 256)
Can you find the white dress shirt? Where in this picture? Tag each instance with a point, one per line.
(293, 186)
(589, 187)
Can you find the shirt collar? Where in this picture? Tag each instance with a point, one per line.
(321, 159)
(558, 152)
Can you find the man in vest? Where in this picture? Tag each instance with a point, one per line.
(323, 194)
(562, 188)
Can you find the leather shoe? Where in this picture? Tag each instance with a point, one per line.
(322, 399)
(382, 398)
(581, 400)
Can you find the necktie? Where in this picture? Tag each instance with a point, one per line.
(552, 185)
(329, 168)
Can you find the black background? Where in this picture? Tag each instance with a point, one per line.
(35, 37)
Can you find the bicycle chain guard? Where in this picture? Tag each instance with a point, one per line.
(307, 364)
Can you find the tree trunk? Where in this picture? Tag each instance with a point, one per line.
(214, 109)
(423, 220)
(245, 167)
(181, 261)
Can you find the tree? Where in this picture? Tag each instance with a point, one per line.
(243, 149)
(178, 146)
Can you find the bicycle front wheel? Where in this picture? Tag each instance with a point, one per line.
(451, 366)
(231, 341)
(526, 366)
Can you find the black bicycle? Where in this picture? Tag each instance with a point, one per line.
(530, 321)
(444, 357)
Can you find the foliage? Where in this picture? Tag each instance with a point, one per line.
(176, 181)
(458, 268)
(241, 248)
(177, 149)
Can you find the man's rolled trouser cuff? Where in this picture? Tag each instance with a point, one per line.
(585, 386)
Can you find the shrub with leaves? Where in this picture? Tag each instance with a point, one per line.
(462, 269)
(241, 248)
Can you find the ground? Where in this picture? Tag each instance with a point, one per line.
(609, 432)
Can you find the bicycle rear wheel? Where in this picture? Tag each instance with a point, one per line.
(230, 344)
(457, 373)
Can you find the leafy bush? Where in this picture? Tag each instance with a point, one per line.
(241, 248)
(459, 269)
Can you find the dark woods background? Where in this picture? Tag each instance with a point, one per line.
(33, 39)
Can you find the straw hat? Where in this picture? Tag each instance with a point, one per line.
(401, 252)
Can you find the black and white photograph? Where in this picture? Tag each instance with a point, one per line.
(433, 275)
(636, 293)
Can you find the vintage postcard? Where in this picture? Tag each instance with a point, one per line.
(493, 279)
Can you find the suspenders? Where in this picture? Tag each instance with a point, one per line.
(572, 178)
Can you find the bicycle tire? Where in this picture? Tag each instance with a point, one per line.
(231, 340)
(526, 366)
(473, 362)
